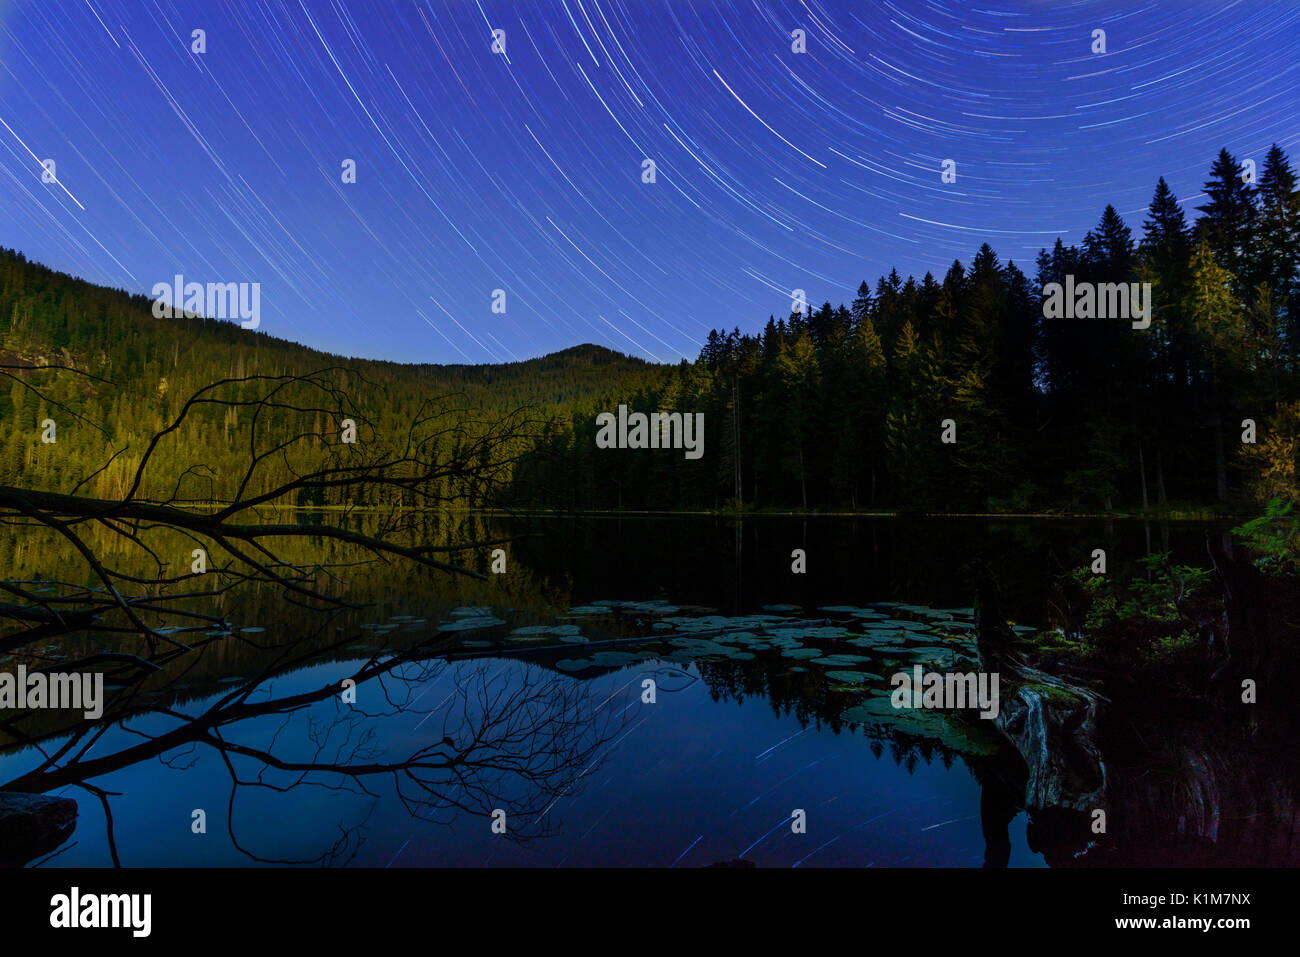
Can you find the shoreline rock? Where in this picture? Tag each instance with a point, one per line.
(32, 825)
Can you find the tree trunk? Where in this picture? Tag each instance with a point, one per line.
(1142, 472)
(1160, 479)
(803, 479)
(1220, 466)
(735, 424)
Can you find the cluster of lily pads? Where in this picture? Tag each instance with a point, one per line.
(856, 648)
(886, 632)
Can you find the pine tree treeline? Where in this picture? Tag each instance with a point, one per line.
(841, 408)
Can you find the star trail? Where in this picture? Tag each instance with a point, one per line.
(521, 169)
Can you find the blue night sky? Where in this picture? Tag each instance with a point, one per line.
(476, 171)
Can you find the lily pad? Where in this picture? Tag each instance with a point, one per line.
(588, 610)
(876, 640)
(853, 677)
(471, 624)
(954, 612)
(871, 710)
(976, 737)
(933, 653)
(808, 632)
(538, 632)
(840, 660)
(700, 646)
(471, 612)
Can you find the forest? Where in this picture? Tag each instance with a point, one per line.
(110, 375)
(841, 407)
(834, 408)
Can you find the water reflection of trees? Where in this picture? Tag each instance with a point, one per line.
(1191, 789)
(518, 739)
(175, 513)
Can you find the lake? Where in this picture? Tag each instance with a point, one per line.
(633, 691)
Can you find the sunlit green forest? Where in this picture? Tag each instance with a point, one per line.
(838, 407)
(142, 369)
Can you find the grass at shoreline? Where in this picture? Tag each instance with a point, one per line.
(1175, 515)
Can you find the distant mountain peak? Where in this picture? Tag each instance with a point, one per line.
(590, 352)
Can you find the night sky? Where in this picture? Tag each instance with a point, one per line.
(476, 171)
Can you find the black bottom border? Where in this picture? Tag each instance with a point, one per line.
(601, 907)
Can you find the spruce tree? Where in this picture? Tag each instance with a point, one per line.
(1229, 220)
(1279, 248)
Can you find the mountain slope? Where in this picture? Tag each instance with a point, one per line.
(146, 366)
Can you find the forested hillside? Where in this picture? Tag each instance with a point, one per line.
(843, 407)
(144, 368)
(839, 407)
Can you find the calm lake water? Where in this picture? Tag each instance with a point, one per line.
(534, 719)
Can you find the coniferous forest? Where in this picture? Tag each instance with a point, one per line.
(842, 408)
(838, 408)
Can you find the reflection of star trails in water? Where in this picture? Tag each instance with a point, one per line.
(436, 709)
(760, 756)
(840, 835)
(614, 694)
(953, 821)
(742, 854)
(764, 794)
(685, 852)
(400, 849)
(588, 768)
(412, 834)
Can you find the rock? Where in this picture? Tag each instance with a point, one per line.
(32, 825)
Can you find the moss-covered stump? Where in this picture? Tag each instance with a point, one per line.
(1054, 727)
(1051, 722)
